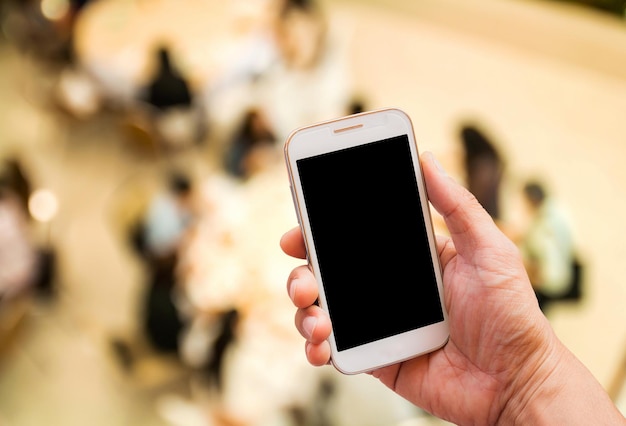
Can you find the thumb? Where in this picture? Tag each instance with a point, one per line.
(469, 224)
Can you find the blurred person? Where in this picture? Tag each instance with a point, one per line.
(255, 55)
(503, 363)
(291, 63)
(76, 91)
(70, 19)
(289, 33)
(249, 149)
(77, 6)
(548, 248)
(17, 179)
(45, 38)
(301, 30)
(19, 259)
(157, 239)
(318, 409)
(175, 112)
(286, 40)
(226, 336)
(484, 168)
(169, 213)
(19, 243)
(168, 87)
(18, 265)
(162, 322)
(44, 29)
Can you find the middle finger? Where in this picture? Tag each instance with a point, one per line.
(302, 287)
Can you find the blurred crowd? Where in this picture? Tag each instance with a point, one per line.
(212, 290)
(211, 300)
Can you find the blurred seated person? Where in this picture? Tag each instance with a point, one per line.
(168, 88)
(18, 265)
(167, 216)
(301, 31)
(484, 168)
(291, 35)
(175, 114)
(252, 146)
(18, 253)
(76, 92)
(206, 344)
(26, 26)
(25, 265)
(226, 337)
(158, 239)
(547, 247)
(69, 21)
(14, 176)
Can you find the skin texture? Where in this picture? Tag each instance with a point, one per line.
(503, 364)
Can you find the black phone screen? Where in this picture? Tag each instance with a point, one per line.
(372, 247)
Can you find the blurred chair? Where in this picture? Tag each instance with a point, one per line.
(13, 317)
(178, 127)
(137, 128)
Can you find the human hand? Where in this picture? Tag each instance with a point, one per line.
(501, 348)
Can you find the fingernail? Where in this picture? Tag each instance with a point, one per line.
(308, 326)
(292, 288)
(437, 164)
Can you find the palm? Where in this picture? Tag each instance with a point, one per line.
(471, 369)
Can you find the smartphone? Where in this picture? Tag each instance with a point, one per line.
(362, 206)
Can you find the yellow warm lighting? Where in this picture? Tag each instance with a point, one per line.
(55, 9)
(43, 205)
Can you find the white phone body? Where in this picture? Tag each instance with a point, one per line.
(361, 202)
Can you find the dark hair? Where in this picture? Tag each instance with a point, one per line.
(476, 142)
(302, 5)
(249, 134)
(356, 106)
(535, 192)
(163, 55)
(179, 183)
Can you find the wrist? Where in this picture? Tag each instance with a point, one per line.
(534, 385)
(559, 390)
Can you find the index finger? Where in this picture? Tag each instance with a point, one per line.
(292, 243)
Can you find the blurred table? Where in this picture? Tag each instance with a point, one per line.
(115, 39)
(231, 259)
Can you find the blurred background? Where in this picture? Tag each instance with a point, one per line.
(143, 193)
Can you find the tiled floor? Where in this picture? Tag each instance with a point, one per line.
(555, 113)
